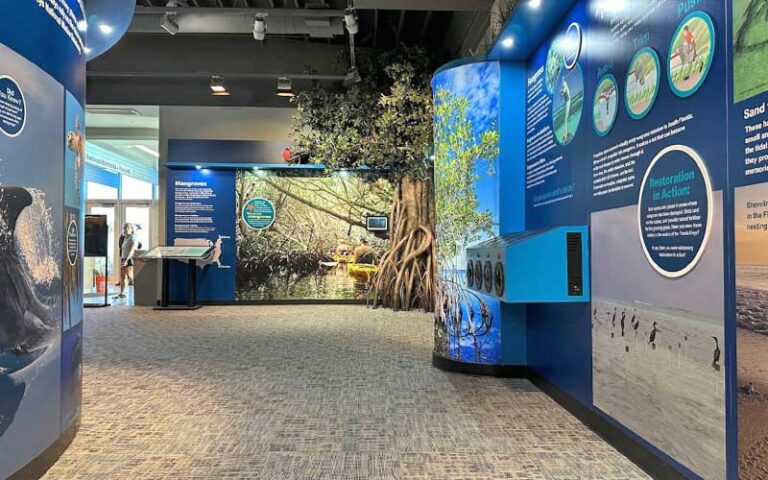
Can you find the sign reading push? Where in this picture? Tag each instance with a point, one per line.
(258, 213)
(675, 211)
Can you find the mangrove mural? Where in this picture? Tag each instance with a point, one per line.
(466, 152)
(303, 236)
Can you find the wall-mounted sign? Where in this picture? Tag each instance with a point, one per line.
(73, 242)
(13, 108)
(258, 213)
(675, 211)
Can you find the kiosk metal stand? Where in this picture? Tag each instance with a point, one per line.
(106, 288)
(96, 246)
(188, 255)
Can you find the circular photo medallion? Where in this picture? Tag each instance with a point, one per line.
(691, 53)
(642, 83)
(568, 105)
(571, 45)
(605, 106)
(73, 242)
(258, 214)
(675, 211)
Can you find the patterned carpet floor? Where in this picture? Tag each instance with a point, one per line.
(308, 393)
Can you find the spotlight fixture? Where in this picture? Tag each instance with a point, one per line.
(534, 4)
(352, 77)
(285, 87)
(82, 25)
(508, 42)
(350, 20)
(198, 167)
(169, 23)
(106, 29)
(217, 87)
(260, 28)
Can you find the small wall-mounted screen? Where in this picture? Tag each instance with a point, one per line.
(377, 224)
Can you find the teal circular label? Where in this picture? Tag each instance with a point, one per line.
(642, 83)
(691, 54)
(73, 242)
(258, 213)
(13, 107)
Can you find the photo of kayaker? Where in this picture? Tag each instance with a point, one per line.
(364, 253)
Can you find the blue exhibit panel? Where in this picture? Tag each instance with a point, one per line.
(42, 83)
(202, 212)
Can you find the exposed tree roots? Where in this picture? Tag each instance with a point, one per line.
(407, 273)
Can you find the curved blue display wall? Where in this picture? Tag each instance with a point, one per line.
(645, 122)
(42, 93)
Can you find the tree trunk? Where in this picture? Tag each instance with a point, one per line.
(407, 272)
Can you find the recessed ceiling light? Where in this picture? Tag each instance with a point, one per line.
(169, 23)
(217, 87)
(508, 42)
(198, 167)
(105, 28)
(82, 25)
(534, 4)
(285, 87)
(260, 27)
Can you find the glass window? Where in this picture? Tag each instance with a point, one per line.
(97, 191)
(135, 189)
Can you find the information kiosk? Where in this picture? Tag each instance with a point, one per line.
(188, 255)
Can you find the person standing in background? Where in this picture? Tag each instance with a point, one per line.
(128, 246)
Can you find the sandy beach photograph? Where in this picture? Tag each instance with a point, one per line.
(752, 329)
(657, 343)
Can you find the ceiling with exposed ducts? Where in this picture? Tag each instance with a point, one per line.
(305, 39)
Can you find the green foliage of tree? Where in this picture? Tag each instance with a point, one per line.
(384, 122)
(457, 153)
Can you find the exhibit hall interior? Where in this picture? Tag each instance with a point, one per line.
(384, 239)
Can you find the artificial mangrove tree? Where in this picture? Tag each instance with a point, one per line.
(384, 123)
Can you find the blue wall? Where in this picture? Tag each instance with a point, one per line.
(590, 128)
(42, 184)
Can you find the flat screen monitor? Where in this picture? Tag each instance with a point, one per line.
(96, 235)
(377, 223)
